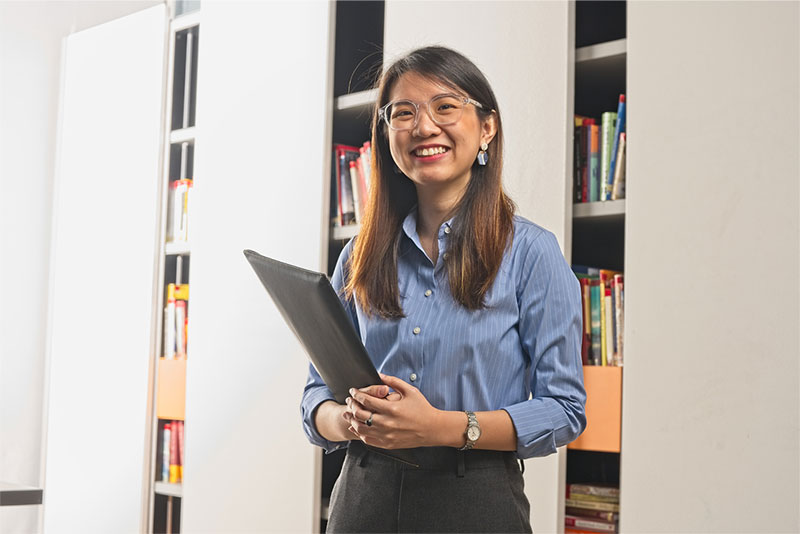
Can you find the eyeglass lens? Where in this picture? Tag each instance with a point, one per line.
(443, 109)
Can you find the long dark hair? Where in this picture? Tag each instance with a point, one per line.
(483, 220)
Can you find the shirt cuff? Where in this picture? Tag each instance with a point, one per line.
(541, 425)
(311, 400)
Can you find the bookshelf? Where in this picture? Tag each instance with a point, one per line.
(165, 480)
(598, 235)
(358, 58)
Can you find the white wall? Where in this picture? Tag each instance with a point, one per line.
(30, 60)
(264, 98)
(525, 51)
(712, 361)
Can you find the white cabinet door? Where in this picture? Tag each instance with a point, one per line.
(104, 249)
(263, 104)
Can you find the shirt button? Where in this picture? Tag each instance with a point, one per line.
(417, 330)
(447, 229)
(428, 293)
(413, 377)
(444, 256)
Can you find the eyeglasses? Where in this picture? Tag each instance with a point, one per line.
(444, 109)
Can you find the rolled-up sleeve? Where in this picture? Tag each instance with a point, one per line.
(550, 330)
(316, 392)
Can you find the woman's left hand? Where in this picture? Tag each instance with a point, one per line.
(403, 420)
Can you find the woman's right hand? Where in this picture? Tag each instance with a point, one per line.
(331, 418)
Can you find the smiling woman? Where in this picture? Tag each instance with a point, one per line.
(462, 338)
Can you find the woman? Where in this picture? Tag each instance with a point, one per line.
(464, 308)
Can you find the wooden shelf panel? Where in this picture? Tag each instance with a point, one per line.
(603, 409)
(171, 394)
(165, 488)
(592, 210)
(341, 233)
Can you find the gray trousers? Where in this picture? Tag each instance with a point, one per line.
(448, 491)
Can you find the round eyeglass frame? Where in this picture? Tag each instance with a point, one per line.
(385, 117)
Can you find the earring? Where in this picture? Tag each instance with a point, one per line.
(483, 157)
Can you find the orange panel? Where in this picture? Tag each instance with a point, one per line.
(171, 394)
(603, 409)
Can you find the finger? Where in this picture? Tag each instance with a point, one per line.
(368, 402)
(404, 388)
(379, 391)
(357, 409)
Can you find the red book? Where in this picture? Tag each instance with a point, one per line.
(586, 343)
(180, 443)
(590, 524)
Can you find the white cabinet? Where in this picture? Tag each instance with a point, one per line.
(102, 284)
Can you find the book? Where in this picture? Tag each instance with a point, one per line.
(596, 347)
(180, 448)
(356, 188)
(594, 525)
(585, 149)
(618, 131)
(619, 310)
(586, 342)
(588, 497)
(174, 472)
(579, 158)
(609, 330)
(608, 122)
(594, 163)
(180, 329)
(165, 447)
(577, 530)
(342, 155)
(169, 324)
(592, 505)
(618, 189)
(178, 207)
(593, 514)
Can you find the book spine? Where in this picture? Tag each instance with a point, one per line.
(169, 324)
(586, 144)
(587, 323)
(173, 455)
(591, 505)
(603, 326)
(180, 449)
(595, 303)
(348, 208)
(581, 522)
(620, 312)
(578, 161)
(180, 329)
(607, 126)
(618, 189)
(338, 184)
(353, 173)
(609, 356)
(618, 130)
(594, 514)
(165, 446)
(614, 355)
(588, 497)
(594, 164)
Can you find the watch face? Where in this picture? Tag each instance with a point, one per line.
(473, 433)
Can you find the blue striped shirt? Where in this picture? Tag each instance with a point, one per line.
(521, 353)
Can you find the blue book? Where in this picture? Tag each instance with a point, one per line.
(619, 129)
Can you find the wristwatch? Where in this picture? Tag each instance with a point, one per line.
(473, 431)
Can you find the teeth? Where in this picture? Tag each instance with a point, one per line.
(431, 151)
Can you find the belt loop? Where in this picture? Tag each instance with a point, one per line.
(460, 469)
(522, 465)
(362, 459)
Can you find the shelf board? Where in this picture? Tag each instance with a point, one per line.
(172, 490)
(594, 210)
(360, 99)
(184, 135)
(187, 20)
(601, 51)
(345, 232)
(177, 248)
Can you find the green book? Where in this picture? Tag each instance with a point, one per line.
(596, 351)
(608, 126)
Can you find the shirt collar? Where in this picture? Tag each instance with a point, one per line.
(410, 227)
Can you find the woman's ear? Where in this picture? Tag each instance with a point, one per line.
(489, 128)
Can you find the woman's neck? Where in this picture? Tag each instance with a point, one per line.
(433, 209)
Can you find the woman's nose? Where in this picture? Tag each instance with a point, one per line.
(425, 125)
